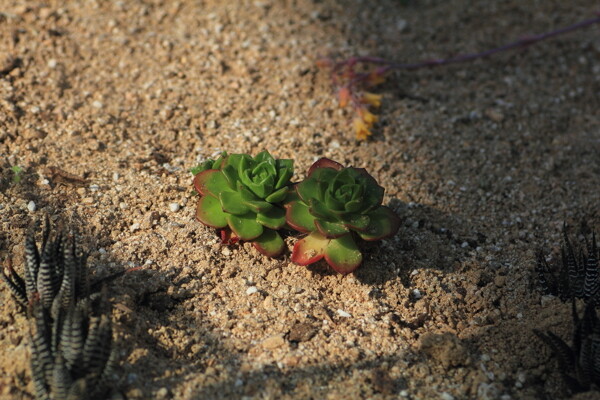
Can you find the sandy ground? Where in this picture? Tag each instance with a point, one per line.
(483, 162)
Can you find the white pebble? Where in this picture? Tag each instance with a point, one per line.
(115, 176)
(31, 206)
(174, 207)
(417, 294)
(251, 290)
(134, 227)
(344, 314)
(52, 63)
(94, 188)
(45, 182)
(446, 396)
(97, 104)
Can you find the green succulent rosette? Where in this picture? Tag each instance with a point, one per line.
(334, 205)
(244, 194)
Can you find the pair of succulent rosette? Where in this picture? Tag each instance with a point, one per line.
(252, 199)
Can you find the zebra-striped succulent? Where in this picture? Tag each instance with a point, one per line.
(56, 273)
(578, 274)
(71, 330)
(72, 356)
(579, 364)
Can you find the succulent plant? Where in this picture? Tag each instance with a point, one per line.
(244, 195)
(72, 355)
(578, 274)
(579, 364)
(56, 273)
(334, 205)
(71, 331)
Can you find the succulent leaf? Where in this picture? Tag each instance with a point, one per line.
(285, 170)
(211, 182)
(231, 174)
(331, 229)
(278, 196)
(298, 216)
(232, 203)
(343, 255)
(383, 223)
(258, 206)
(269, 243)
(273, 218)
(357, 222)
(310, 249)
(245, 226)
(209, 212)
(324, 163)
(321, 211)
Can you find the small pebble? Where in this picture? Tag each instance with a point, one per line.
(446, 396)
(174, 207)
(94, 188)
(251, 290)
(97, 104)
(52, 63)
(134, 227)
(162, 393)
(344, 314)
(417, 294)
(31, 206)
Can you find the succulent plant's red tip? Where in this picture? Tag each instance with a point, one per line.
(228, 237)
(324, 163)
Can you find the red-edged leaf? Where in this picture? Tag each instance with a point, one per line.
(383, 223)
(309, 249)
(331, 230)
(374, 192)
(324, 163)
(209, 212)
(245, 226)
(228, 237)
(298, 217)
(211, 181)
(343, 255)
(269, 243)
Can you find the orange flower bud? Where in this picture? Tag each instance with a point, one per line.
(361, 129)
(344, 96)
(375, 78)
(324, 63)
(371, 98)
(368, 117)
